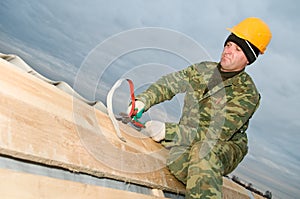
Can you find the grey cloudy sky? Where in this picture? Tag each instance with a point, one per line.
(59, 38)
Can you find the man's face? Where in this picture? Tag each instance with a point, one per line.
(233, 58)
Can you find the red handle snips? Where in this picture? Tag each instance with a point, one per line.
(133, 111)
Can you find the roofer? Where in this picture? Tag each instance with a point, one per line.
(210, 139)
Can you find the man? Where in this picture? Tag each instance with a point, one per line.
(210, 139)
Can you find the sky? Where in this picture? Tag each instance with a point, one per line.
(90, 45)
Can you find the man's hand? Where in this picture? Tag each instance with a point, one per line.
(139, 109)
(155, 129)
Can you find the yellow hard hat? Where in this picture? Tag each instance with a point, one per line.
(255, 31)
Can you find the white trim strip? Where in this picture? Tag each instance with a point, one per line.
(110, 108)
(251, 49)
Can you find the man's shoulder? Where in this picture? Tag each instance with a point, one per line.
(205, 65)
(244, 77)
(245, 80)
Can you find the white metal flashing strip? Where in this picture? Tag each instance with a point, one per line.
(110, 108)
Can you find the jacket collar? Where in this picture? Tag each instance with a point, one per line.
(233, 81)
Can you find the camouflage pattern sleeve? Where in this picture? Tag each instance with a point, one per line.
(166, 87)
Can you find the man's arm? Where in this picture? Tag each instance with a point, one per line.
(166, 87)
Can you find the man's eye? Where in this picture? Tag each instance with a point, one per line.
(238, 49)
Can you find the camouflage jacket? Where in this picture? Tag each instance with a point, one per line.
(222, 113)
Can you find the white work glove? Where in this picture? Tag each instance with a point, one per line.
(155, 129)
(138, 105)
